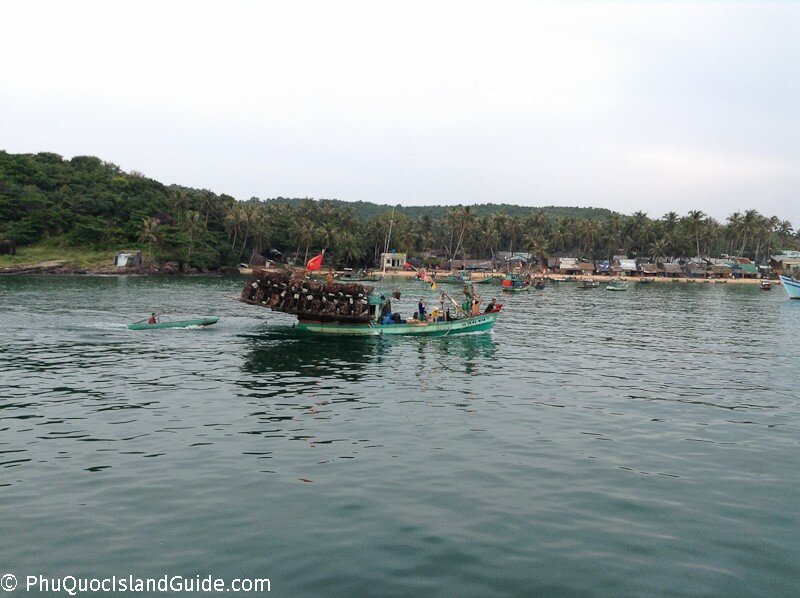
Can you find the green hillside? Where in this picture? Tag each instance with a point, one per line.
(88, 209)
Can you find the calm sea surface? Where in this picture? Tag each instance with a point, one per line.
(645, 442)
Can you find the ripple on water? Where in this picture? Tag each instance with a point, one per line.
(643, 443)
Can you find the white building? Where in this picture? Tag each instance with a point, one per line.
(393, 261)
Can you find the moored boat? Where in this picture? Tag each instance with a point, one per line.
(792, 286)
(360, 277)
(198, 322)
(765, 285)
(514, 283)
(617, 285)
(588, 284)
(487, 280)
(459, 278)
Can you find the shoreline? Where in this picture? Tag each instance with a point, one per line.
(60, 267)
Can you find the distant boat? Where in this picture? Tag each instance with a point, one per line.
(792, 286)
(617, 285)
(588, 284)
(488, 280)
(360, 277)
(513, 283)
(645, 280)
(459, 278)
(200, 322)
(765, 285)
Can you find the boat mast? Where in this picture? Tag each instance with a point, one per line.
(388, 239)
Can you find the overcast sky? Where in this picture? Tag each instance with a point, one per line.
(651, 106)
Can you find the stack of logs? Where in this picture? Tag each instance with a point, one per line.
(293, 292)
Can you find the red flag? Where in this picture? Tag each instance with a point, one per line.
(407, 265)
(315, 263)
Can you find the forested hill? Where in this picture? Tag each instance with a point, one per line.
(365, 210)
(86, 203)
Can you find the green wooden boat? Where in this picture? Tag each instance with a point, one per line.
(360, 278)
(513, 283)
(488, 280)
(202, 322)
(459, 278)
(479, 323)
(617, 285)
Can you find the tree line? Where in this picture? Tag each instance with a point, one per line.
(85, 202)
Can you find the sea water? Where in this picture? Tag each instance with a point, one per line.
(643, 442)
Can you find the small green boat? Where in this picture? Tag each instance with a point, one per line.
(617, 285)
(459, 278)
(513, 283)
(201, 322)
(488, 280)
(360, 278)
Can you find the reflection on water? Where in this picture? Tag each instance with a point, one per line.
(592, 440)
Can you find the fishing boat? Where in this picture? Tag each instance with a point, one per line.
(588, 284)
(792, 286)
(353, 309)
(487, 280)
(459, 278)
(198, 322)
(361, 277)
(645, 280)
(539, 285)
(617, 285)
(513, 283)
(481, 323)
(765, 285)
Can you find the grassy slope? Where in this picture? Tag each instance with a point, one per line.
(53, 250)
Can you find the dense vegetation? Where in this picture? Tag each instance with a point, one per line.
(87, 203)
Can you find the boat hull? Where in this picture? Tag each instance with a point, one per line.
(176, 324)
(479, 323)
(792, 287)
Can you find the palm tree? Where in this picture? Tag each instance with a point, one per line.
(466, 219)
(658, 249)
(306, 233)
(749, 224)
(179, 201)
(327, 235)
(785, 231)
(695, 226)
(537, 246)
(233, 222)
(349, 247)
(208, 202)
(191, 225)
(150, 234)
(261, 232)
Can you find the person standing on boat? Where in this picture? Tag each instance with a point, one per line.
(153, 318)
(491, 307)
(421, 310)
(476, 308)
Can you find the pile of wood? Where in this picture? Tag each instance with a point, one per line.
(293, 292)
